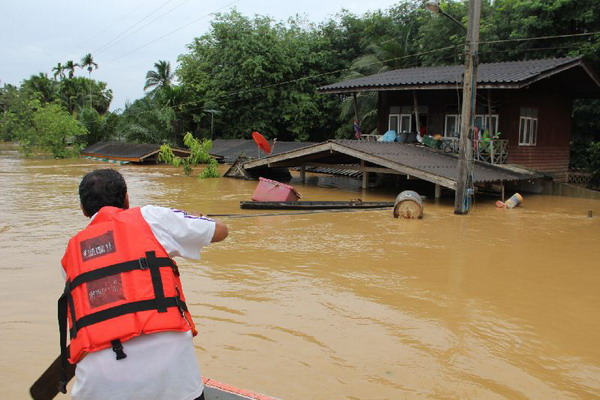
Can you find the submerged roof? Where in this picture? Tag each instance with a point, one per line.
(414, 160)
(502, 75)
(231, 149)
(133, 152)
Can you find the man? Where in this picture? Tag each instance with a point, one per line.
(131, 332)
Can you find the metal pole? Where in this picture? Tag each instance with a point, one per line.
(464, 183)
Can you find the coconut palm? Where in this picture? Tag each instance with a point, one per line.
(59, 71)
(161, 77)
(88, 63)
(70, 66)
(385, 56)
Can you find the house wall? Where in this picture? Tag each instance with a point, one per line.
(551, 152)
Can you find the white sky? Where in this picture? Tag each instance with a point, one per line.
(124, 40)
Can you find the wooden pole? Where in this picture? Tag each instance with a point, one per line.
(365, 175)
(464, 183)
(355, 107)
(416, 111)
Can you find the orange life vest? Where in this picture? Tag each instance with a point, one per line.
(120, 284)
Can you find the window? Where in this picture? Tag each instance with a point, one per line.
(452, 127)
(528, 127)
(400, 122)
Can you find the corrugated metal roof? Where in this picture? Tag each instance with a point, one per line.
(231, 149)
(411, 159)
(135, 152)
(493, 74)
(433, 161)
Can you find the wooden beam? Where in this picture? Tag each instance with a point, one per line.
(310, 150)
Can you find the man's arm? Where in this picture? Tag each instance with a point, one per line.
(221, 231)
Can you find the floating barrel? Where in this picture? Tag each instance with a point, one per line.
(408, 205)
(514, 201)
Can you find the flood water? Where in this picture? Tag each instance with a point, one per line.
(499, 304)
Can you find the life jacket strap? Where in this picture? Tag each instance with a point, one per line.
(141, 263)
(128, 308)
(117, 347)
(64, 352)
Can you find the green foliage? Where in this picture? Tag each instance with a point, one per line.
(199, 153)
(53, 130)
(161, 77)
(262, 76)
(100, 127)
(593, 153)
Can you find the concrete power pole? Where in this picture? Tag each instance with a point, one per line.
(464, 183)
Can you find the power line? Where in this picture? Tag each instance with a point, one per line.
(387, 60)
(172, 32)
(110, 42)
(540, 38)
(133, 10)
(148, 23)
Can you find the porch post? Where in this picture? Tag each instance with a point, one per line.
(355, 107)
(303, 173)
(416, 111)
(438, 191)
(365, 175)
(490, 131)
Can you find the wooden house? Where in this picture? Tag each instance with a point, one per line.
(525, 105)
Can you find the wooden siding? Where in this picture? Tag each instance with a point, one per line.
(547, 159)
(552, 150)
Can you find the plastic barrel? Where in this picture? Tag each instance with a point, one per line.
(408, 205)
(515, 200)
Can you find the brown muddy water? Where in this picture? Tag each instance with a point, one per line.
(499, 304)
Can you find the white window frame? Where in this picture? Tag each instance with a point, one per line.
(458, 118)
(528, 131)
(398, 126)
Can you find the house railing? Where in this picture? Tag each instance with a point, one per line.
(493, 151)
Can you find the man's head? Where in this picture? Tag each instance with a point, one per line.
(102, 187)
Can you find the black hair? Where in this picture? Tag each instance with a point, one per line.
(102, 187)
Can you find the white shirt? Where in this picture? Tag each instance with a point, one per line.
(160, 365)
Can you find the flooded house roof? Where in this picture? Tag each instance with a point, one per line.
(128, 152)
(230, 149)
(502, 75)
(395, 158)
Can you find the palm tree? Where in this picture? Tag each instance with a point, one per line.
(70, 66)
(59, 71)
(88, 62)
(381, 57)
(159, 78)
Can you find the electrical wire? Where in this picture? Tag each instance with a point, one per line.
(110, 42)
(171, 32)
(149, 22)
(224, 100)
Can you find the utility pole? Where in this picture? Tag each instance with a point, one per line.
(464, 182)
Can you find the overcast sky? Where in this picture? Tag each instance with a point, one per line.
(126, 37)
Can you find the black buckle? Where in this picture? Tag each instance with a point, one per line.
(118, 349)
(143, 263)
